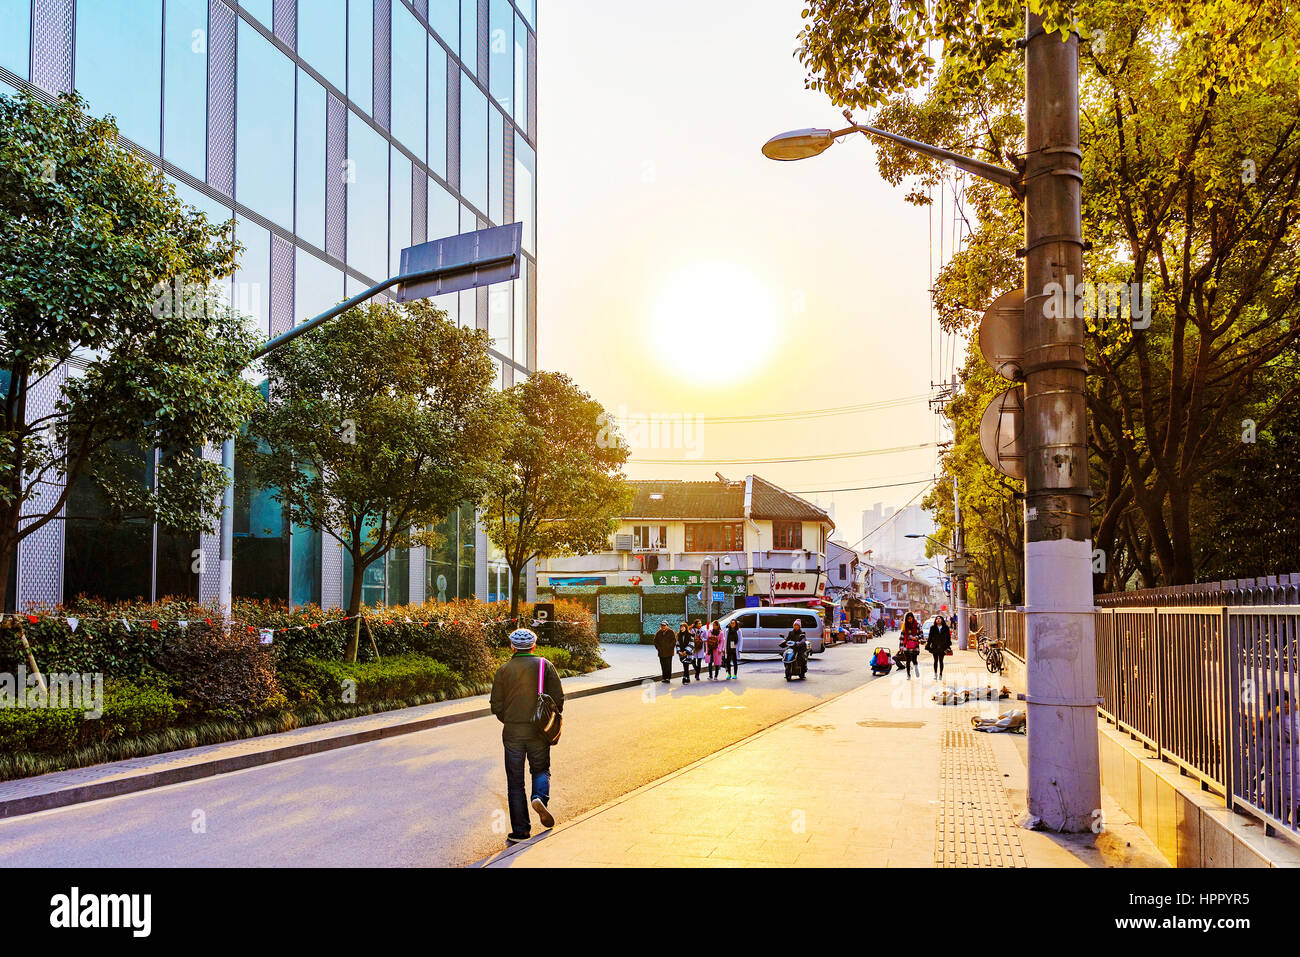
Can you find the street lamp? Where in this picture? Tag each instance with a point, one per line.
(431, 269)
(1060, 620)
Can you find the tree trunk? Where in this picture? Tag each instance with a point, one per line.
(7, 558)
(354, 606)
(515, 575)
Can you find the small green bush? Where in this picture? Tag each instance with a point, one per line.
(131, 708)
(392, 679)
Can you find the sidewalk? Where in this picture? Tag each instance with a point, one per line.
(879, 777)
(628, 665)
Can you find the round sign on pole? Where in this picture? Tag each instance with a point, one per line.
(1002, 433)
(1002, 336)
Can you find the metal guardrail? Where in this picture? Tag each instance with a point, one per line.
(1271, 590)
(1214, 690)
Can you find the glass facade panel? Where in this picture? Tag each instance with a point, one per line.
(496, 166)
(261, 9)
(473, 142)
(469, 34)
(400, 212)
(317, 286)
(409, 84)
(521, 73)
(444, 17)
(185, 87)
(529, 9)
(519, 338)
(322, 38)
(309, 219)
(305, 566)
(499, 296)
(465, 588)
(444, 213)
(264, 112)
(399, 576)
(525, 211)
(361, 53)
(106, 554)
(252, 290)
(15, 36)
(119, 65)
(261, 568)
(440, 562)
(367, 199)
(437, 104)
(501, 61)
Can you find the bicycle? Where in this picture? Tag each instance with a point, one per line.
(994, 661)
(981, 644)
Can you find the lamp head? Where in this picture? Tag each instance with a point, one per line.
(797, 144)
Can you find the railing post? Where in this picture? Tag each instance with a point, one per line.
(1159, 683)
(1231, 688)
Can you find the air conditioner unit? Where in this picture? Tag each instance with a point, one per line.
(622, 543)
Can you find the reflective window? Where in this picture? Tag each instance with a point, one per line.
(305, 566)
(444, 213)
(450, 304)
(519, 336)
(529, 9)
(322, 38)
(399, 576)
(496, 166)
(468, 308)
(468, 221)
(467, 551)
(400, 212)
(95, 530)
(262, 9)
(473, 142)
(501, 46)
(119, 65)
(185, 86)
(409, 86)
(521, 73)
(252, 291)
(525, 211)
(437, 154)
(15, 36)
(261, 552)
(367, 199)
(310, 189)
(499, 295)
(444, 17)
(361, 53)
(264, 144)
(317, 286)
(469, 34)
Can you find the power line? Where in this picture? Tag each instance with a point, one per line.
(798, 458)
(892, 517)
(859, 488)
(783, 416)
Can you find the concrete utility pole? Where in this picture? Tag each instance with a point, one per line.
(1064, 777)
(959, 581)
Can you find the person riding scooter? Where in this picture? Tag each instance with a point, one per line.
(796, 656)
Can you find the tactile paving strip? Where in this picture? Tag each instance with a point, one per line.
(975, 826)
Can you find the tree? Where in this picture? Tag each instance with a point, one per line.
(378, 424)
(1191, 142)
(99, 261)
(562, 490)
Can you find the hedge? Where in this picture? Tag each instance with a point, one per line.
(329, 683)
(130, 709)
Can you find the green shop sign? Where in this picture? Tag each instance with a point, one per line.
(686, 576)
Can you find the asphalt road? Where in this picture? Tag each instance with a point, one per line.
(432, 798)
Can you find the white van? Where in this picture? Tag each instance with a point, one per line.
(763, 629)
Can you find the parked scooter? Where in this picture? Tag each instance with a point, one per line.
(796, 658)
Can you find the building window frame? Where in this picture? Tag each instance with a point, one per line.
(787, 535)
(715, 537)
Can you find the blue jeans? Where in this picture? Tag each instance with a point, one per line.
(524, 741)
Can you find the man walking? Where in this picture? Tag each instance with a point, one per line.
(666, 647)
(514, 702)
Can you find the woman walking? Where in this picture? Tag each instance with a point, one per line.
(938, 642)
(910, 645)
(715, 646)
(733, 649)
(685, 651)
(698, 633)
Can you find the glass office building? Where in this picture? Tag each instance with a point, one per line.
(335, 133)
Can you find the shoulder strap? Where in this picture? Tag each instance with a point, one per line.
(541, 673)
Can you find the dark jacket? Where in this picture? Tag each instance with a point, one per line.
(685, 644)
(939, 640)
(514, 689)
(665, 641)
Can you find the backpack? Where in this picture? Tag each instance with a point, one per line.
(546, 719)
(714, 641)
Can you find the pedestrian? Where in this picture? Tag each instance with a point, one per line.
(733, 649)
(909, 645)
(685, 651)
(716, 648)
(514, 702)
(938, 642)
(698, 633)
(665, 643)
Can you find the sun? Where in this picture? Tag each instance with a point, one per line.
(713, 322)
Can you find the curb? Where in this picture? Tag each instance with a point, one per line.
(504, 855)
(149, 780)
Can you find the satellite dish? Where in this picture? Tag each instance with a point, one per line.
(1001, 336)
(1002, 433)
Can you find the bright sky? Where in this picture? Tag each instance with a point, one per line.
(683, 273)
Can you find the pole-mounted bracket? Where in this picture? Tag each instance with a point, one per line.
(1060, 704)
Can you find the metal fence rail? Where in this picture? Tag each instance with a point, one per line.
(1271, 590)
(1214, 690)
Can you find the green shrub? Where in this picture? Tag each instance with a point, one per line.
(392, 679)
(130, 708)
(231, 675)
